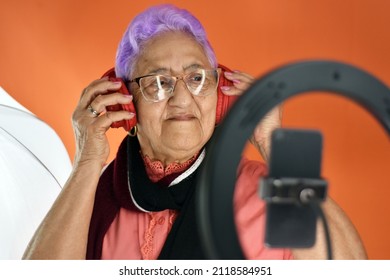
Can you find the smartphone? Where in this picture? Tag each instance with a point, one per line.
(294, 154)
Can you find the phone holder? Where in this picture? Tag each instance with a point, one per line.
(218, 176)
(293, 190)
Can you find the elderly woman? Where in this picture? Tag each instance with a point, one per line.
(142, 205)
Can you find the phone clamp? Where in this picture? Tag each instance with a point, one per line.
(293, 190)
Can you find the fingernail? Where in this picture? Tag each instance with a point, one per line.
(117, 83)
(236, 81)
(130, 115)
(236, 71)
(225, 88)
(228, 73)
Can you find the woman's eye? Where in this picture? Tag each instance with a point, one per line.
(158, 84)
(197, 78)
(163, 82)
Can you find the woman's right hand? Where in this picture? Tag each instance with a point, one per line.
(63, 234)
(91, 120)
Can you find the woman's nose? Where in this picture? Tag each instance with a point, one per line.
(181, 95)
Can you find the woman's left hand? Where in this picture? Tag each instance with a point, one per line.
(261, 137)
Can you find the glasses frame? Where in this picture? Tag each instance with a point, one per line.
(176, 79)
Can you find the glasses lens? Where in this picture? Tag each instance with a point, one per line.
(160, 87)
(202, 82)
(156, 88)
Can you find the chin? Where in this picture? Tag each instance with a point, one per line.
(186, 137)
(185, 142)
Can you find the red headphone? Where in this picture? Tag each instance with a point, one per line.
(224, 102)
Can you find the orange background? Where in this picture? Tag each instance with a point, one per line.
(51, 50)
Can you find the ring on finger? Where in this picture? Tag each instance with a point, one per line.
(93, 111)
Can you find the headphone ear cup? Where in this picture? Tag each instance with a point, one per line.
(126, 124)
(224, 102)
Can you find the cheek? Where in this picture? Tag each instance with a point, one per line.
(136, 98)
(212, 104)
(148, 115)
(208, 111)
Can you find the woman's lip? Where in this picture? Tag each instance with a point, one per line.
(184, 117)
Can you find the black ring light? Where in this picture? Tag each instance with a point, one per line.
(217, 180)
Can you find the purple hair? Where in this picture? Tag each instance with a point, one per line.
(152, 22)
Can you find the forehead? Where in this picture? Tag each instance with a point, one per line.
(170, 52)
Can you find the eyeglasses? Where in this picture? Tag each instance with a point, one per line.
(156, 88)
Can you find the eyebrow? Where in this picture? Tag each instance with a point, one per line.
(193, 66)
(158, 70)
(163, 70)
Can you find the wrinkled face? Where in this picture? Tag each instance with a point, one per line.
(176, 128)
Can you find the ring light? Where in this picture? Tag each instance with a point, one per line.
(217, 181)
